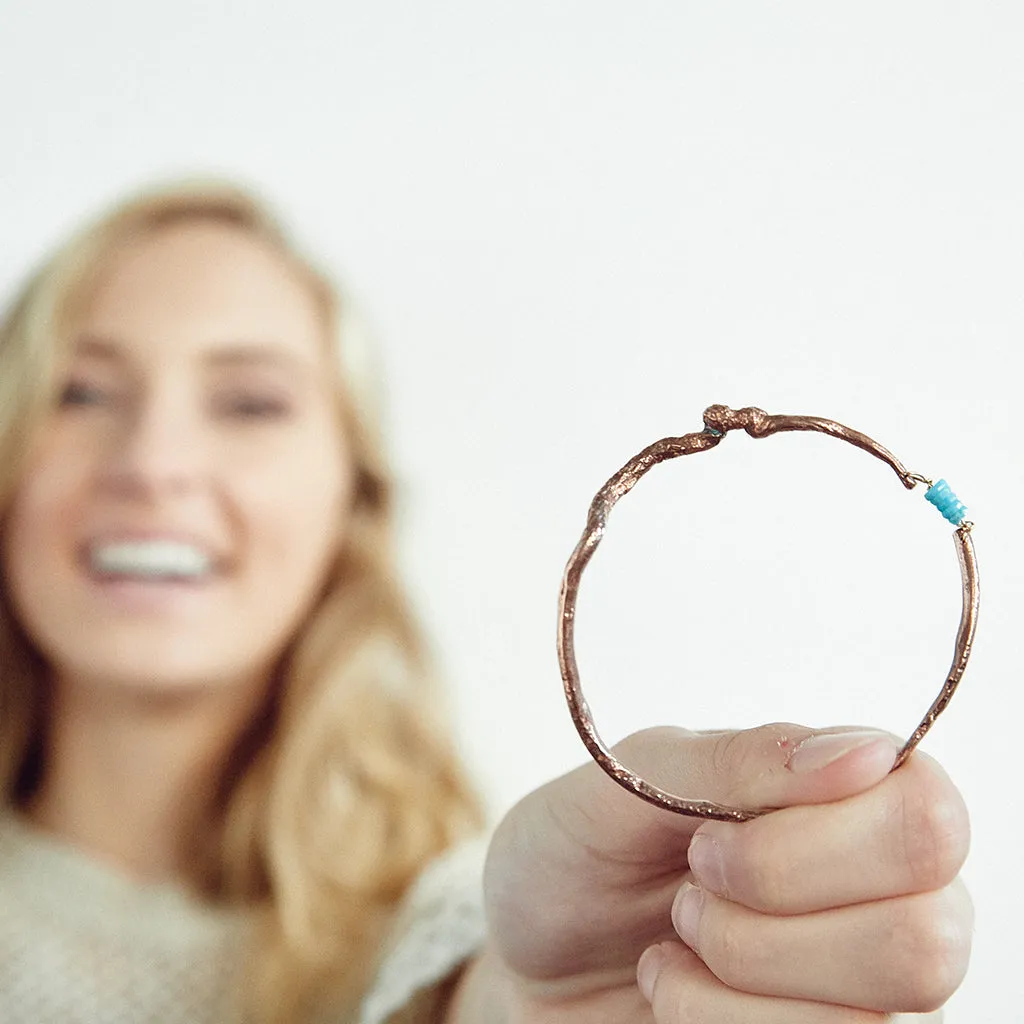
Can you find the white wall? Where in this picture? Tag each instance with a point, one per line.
(575, 225)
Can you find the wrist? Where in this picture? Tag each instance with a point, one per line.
(483, 993)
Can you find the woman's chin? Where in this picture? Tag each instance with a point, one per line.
(154, 675)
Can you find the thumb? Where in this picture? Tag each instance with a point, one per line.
(768, 767)
(773, 766)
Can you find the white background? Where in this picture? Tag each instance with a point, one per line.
(576, 224)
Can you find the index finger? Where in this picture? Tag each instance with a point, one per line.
(909, 833)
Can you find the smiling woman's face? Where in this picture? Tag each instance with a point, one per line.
(179, 510)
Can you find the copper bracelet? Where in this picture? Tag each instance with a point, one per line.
(718, 421)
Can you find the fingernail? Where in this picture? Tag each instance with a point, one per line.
(648, 969)
(706, 863)
(686, 910)
(817, 752)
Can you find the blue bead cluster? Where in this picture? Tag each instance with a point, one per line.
(942, 497)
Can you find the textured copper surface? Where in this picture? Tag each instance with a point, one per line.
(718, 421)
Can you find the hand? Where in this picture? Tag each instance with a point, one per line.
(840, 908)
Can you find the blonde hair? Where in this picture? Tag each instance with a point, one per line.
(349, 783)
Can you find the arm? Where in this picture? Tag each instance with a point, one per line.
(482, 994)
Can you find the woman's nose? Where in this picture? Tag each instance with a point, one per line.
(157, 449)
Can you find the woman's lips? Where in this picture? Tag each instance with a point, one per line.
(134, 594)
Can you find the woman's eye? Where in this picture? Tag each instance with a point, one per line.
(252, 407)
(78, 393)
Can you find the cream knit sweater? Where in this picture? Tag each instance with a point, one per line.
(81, 944)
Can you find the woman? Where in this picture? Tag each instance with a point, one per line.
(229, 795)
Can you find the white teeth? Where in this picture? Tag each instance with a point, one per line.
(151, 559)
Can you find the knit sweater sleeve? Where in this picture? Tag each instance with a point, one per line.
(440, 926)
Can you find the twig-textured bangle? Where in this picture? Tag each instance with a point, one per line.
(718, 421)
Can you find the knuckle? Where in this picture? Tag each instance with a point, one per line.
(934, 941)
(727, 754)
(734, 955)
(766, 882)
(934, 834)
(773, 890)
(730, 758)
(738, 758)
(679, 1008)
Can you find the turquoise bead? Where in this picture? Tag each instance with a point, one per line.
(941, 495)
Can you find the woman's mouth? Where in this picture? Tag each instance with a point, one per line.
(151, 574)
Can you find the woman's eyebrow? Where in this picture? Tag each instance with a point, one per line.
(253, 353)
(242, 353)
(97, 347)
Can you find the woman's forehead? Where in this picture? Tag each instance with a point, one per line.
(201, 285)
(216, 353)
